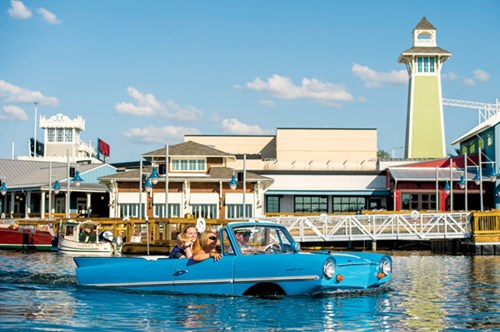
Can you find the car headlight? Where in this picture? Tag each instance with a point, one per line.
(329, 269)
(385, 266)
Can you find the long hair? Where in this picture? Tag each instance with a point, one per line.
(196, 244)
(204, 238)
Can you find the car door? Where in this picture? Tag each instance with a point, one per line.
(206, 277)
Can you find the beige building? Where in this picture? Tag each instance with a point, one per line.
(314, 170)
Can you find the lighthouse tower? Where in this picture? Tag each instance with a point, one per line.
(424, 122)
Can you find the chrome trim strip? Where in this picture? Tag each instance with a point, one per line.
(208, 281)
(292, 278)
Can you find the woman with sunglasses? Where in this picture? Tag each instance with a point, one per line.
(208, 243)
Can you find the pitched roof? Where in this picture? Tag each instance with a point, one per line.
(426, 50)
(424, 25)
(36, 174)
(189, 148)
(214, 174)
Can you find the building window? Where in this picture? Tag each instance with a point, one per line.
(51, 135)
(348, 204)
(418, 201)
(60, 135)
(129, 210)
(310, 204)
(235, 211)
(205, 211)
(426, 64)
(189, 165)
(173, 210)
(272, 204)
(489, 139)
(472, 147)
(68, 135)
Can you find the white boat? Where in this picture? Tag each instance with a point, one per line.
(86, 238)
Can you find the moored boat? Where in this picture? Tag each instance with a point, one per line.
(15, 237)
(87, 238)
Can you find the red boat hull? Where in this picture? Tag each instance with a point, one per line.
(25, 239)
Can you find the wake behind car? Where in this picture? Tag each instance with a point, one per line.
(259, 259)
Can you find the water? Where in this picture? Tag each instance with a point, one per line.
(428, 292)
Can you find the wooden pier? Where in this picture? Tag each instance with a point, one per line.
(473, 232)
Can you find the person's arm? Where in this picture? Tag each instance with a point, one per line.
(201, 255)
(189, 250)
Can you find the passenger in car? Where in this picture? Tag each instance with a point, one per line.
(208, 243)
(193, 234)
(183, 243)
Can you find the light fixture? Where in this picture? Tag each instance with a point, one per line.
(3, 188)
(493, 175)
(233, 183)
(56, 187)
(446, 188)
(154, 176)
(77, 179)
(461, 183)
(477, 179)
(148, 185)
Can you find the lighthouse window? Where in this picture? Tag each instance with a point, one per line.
(426, 64)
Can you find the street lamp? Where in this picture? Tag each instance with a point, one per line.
(154, 176)
(461, 182)
(77, 179)
(3, 188)
(56, 187)
(148, 186)
(233, 184)
(446, 187)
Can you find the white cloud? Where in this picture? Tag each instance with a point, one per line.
(47, 16)
(313, 89)
(374, 79)
(266, 103)
(158, 135)
(148, 105)
(18, 10)
(450, 76)
(481, 75)
(13, 113)
(15, 94)
(233, 126)
(469, 82)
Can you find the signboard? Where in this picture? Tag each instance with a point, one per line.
(103, 150)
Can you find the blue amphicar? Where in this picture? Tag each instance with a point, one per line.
(268, 263)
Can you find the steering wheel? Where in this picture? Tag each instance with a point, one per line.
(272, 247)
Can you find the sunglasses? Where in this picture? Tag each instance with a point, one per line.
(213, 238)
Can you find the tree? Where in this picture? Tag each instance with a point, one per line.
(381, 154)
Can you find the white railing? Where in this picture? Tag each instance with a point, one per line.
(414, 226)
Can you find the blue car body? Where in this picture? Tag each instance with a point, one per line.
(271, 264)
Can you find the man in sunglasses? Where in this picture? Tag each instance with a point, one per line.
(243, 236)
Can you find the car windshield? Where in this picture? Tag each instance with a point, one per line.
(262, 239)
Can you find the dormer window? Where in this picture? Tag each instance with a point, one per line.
(189, 165)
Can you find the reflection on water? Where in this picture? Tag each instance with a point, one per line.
(38, 291)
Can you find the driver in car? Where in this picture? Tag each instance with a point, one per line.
(242, 236)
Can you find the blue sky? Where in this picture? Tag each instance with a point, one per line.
(144, 73)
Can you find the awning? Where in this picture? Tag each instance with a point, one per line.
(368, 192)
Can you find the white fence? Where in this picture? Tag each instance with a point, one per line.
(414, 226)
